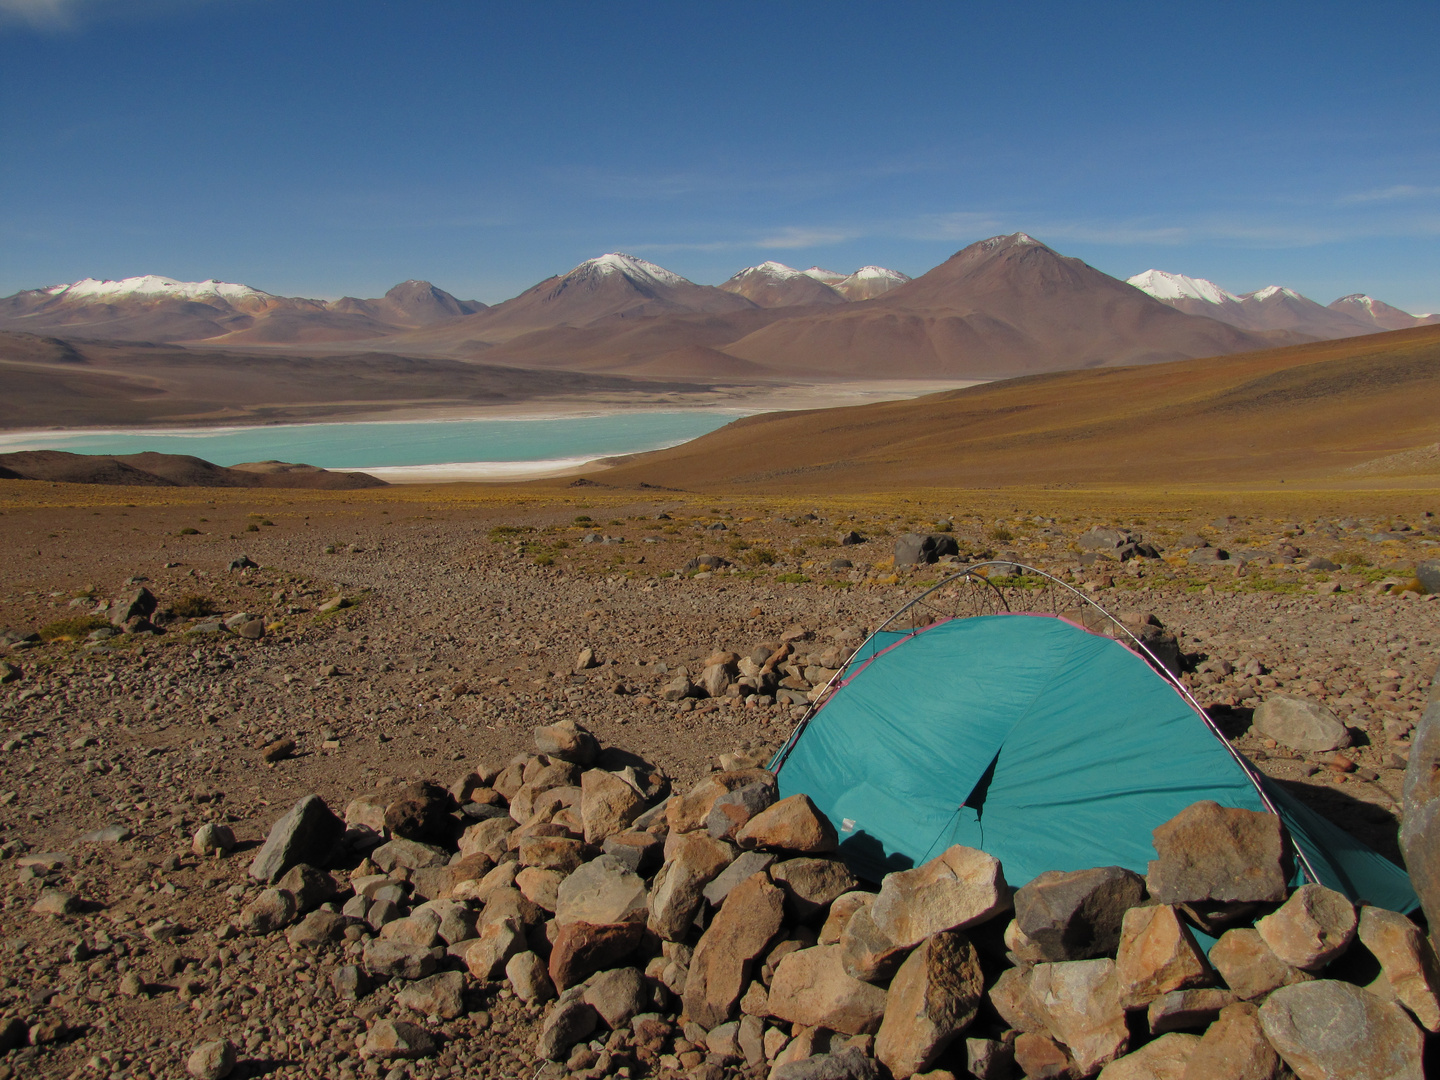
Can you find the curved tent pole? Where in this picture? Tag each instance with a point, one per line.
(1052, 583)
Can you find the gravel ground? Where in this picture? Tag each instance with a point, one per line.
(462, 635)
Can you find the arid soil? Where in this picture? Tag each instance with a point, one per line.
(467, 611)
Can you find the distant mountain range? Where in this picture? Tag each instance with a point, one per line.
(1004, 306)
(1277, 308)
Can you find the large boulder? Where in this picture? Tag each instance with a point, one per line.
(308, 833)
(811, 987)
(959, 888)
(932, 999)
(914, 549)
(1214, 852)
(581, 949)
(1311, 928)
(1331, 1030)
(1076, 915)
(603, 890)
(679, 887)
(1299, 723)
(607, 804)
(1420, 825)
(793, 824)
(721, 967)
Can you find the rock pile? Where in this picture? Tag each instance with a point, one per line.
(716, 932)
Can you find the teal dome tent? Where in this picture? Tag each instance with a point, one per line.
(1052, 739)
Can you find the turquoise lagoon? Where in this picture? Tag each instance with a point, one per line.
(427, 448)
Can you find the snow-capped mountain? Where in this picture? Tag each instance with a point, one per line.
(1170, 287)
(869, 282)
(829, 277)
(1378, 314)
(773, 284)
(155, 308)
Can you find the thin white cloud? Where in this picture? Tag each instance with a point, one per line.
(1392, 194)
(799, 237)
(59, 15)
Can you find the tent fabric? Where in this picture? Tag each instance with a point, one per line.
(1028, 737)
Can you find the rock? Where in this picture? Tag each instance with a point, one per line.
(420, 929)
(1214, 852)
(847, 1064)
(1076, 915)
(411, 854)
(457, 920)
(317, 929)
(932, 999)
(1311, 928)
(913, 549)
(733, 810)
(529, 978)
(1299, 723)
(792, 824)
(390, 959)
(568, 741)
(559, 853)
(1166, 1058)
(866, 953)
(213, 839)
(811, 884)
(1079, 1002)
(1041, 1058)
(1157, 954)
(138, 603)
(1420, 823)
(1331, 1030)
(421, 812)
(746, 865)
(567, 1023)
(488, 956)
(689, 812)
(56, 902)
(1234, 1048)
(618, 996)
(278, 750)
(1101, 539)
(841, 910)
(811, 987)
(437, 995)
(678, 889)
(310, 886)
(987, 1059)
(1248, 966)
(716, 679)
(722, 964)
(540, 887)
(113, 833)
(272, 910)
(602, 890)
(1409, 972)
(211, 1060)
(350, 982)
(395, 1039)
(581, 949)
(487, 837)
(309, 833)
(1181, 1010)
(959, 888)
(607, 804)
(584, 661)
(637, 851)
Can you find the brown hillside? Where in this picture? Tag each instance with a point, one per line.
(1299, 412)
(173, 470)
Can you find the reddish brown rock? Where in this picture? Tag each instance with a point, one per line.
(678, 889)
(1248, 966)
(811, 987)
(1157, 954)
(792, 824)
(1164, 1058)
(1214, 852)
(1041, 1058)
(1311, 928)
(1409, 972)
(581, 949)
(686, 813)
(932, 999)
(1234, 1048)
(721, 967)
(959, 888)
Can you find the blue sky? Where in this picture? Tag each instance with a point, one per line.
(329, 147)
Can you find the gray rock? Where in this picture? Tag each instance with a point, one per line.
(392, 1039)
(317, 929)
(211, 1060)
(272, 910)
(138, 603)
(1331, 1030)
(390, 959)
(309, 833)
(351, 982)
(410, 854)
(113, 833)
(1300, 724)
(213, 839)
(602, 891)
(848, 1064)
(914, 549)
(1429, 574)
(1420, 825)
(746, 864)
(529, 978)
(1098, 539)
(568, 1023)
(441, 995)
(810, 884)
(310, 885)
(1076, 915)
(618, 996)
